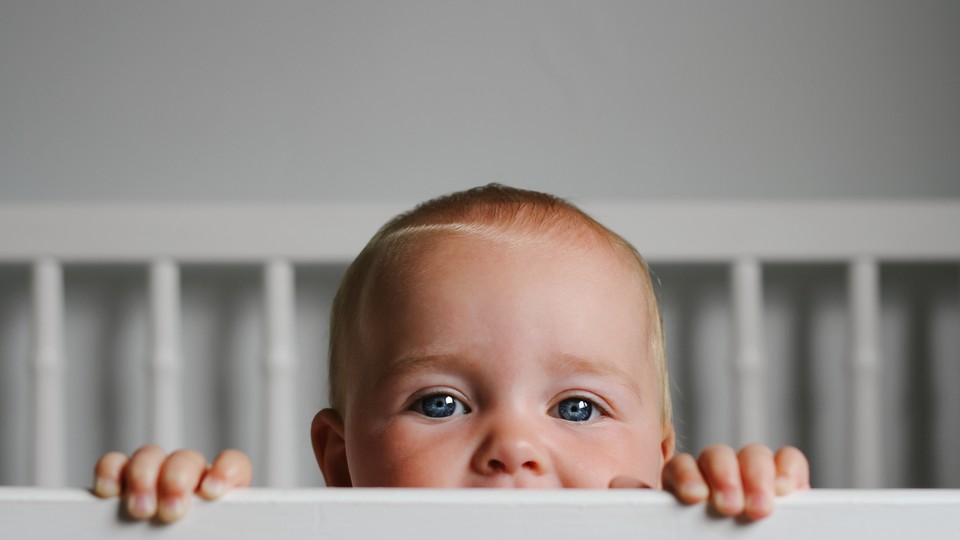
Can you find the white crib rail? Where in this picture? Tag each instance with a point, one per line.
(664, 231)
(48, 396)
(747, 291)
(742, 235)
(166, 425)
(280, 431)
(864, 408)
(483, 514)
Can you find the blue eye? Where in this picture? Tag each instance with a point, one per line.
(577, 409)
(439, 406)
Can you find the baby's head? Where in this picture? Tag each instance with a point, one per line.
(495, 337)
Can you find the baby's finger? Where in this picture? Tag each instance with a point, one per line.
(793, 470)
(141, 475)
(231, 469)
(179, 477)
(757, 472)
(107, 475)
(721, 469)
(681, 476)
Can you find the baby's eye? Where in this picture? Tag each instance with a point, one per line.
(577, 409)
(439, 406)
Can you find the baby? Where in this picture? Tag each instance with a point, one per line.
(495, 337)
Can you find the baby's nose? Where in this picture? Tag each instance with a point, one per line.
(512, 452)
(511, 465)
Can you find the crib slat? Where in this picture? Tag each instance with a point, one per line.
(165, 407)
(747, 288)
(864, 459)
(279, 434)
(49, 467)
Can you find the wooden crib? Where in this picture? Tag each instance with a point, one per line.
(744, 236)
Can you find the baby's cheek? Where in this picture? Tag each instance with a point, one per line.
(585, 477)
(408, 454)
(608, 454)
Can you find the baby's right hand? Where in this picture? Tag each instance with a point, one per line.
(154, 484)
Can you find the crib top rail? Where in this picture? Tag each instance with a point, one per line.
(482, 514)
(334, 233)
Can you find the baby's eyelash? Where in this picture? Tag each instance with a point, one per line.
(439, 404)
(575, 408)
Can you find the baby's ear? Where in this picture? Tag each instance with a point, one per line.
(330, 449)
(668, 446)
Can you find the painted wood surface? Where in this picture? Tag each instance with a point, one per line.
(468, 514)
(48, 386)
(665, 231)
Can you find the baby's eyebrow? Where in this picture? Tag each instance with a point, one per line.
(573, 364)
(429, 362)
(567, 364)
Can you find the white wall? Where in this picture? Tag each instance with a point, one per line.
(305, 99)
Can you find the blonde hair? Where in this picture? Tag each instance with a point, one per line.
(492, 209)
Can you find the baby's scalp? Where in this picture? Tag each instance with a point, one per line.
(527, 219)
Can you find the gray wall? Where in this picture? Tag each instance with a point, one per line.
(293, 99)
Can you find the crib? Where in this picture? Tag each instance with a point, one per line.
(480, 514)
(744, 239)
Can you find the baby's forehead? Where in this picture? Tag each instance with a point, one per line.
(409, 246)
(422, 256)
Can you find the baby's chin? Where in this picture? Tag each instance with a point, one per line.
(428, 477)
(500, 481)
(525, 481)
(513, 482)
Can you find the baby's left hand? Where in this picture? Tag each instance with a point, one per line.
(742, 483)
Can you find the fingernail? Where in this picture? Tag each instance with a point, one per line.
(758, 504)
(172, 508)
(105, 487)
(212, 488)
(142, 506)
(728, 500)
(694, 490)
(783, 485)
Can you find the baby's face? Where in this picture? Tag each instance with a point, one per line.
(495, 365)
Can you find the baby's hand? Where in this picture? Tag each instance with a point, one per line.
(156, 484)
(741, 483)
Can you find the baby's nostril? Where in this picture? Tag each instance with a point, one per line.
(531, 466)
(497, 465)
